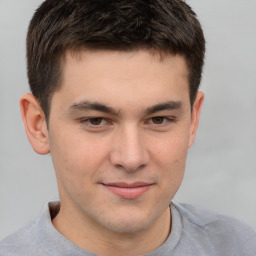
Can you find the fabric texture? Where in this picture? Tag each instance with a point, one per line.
(195, 231)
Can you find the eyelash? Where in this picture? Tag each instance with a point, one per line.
(88, 121)
(167, 120)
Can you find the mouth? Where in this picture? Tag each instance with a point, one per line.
(128, 190)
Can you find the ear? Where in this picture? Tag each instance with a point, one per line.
(35, 124)
(196, 110)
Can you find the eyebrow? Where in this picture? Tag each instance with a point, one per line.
(88, 105)
(169, 105)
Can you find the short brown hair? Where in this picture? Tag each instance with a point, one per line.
(165, 26)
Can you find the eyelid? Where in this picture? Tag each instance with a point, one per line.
(168, 119)
(86, 121)
(106, 122)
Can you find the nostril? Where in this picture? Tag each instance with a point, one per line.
(130, 168)
(119, 166)
(128, 151)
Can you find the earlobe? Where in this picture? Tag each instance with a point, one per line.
(35, 124)
(196, 110)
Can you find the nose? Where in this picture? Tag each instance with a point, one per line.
(129, 151)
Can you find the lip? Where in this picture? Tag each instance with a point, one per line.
(128, 190)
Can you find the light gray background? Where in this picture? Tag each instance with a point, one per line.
(221, 169)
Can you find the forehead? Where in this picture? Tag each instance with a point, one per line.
(119, 76)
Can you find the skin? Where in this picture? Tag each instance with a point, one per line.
(119, 119)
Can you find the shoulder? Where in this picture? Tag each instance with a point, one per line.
(219, 230)
(21, 243)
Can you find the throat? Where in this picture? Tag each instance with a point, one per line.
(107, 243)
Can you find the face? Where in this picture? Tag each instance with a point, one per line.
(119, 130)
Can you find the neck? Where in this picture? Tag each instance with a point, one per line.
(105, 242)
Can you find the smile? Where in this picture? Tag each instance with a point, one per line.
(128, 191)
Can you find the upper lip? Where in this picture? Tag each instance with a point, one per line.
(127, 185)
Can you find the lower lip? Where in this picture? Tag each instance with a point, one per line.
(128, 193)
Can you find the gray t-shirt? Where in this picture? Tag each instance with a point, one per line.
(195, 232)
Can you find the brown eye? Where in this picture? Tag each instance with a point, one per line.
(158, 120)
(95, 121)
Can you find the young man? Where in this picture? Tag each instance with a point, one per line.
(115, 102)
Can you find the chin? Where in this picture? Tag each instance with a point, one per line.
(129, 223)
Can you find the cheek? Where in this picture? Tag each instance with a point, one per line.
(170, 159)
(171, 150)
(77, 159)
